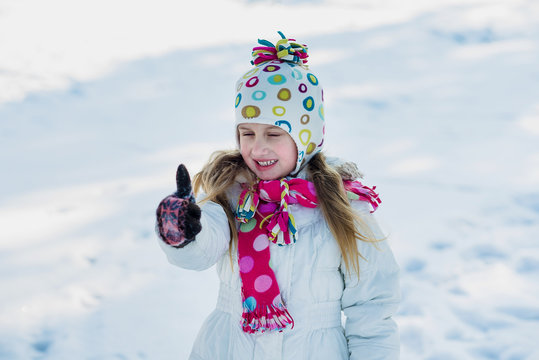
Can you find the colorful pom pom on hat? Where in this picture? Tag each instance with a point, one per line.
(280, 90)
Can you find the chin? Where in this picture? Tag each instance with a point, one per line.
(263, 176)
(272, 174)
(267, 176)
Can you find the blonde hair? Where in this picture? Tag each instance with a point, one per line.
(344, 223)
(347, 227)
(217, 176)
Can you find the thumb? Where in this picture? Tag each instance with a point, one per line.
(183, 182)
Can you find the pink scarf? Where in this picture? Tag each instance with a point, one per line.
(264, 217)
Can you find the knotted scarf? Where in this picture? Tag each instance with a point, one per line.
(263, 213)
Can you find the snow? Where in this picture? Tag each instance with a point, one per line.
(438, 103)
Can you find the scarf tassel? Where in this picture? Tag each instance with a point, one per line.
(282, 228)
(357, 191)
(247, 206)
(266, 318)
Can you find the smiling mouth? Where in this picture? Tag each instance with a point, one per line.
(266, 163)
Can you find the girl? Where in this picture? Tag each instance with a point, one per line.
(291, 231)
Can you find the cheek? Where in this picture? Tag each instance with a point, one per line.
(244, 151)
(242, 146)
(290, 153)
(293, 150)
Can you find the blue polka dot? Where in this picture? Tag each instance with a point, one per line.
(296, 74)
(238, 100)
(250, 303)
(312, 79)
(259, 95)
(277, 79)
(280, 123)
(321, 111)
(308, 103)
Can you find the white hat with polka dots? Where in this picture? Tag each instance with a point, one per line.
(280, 90)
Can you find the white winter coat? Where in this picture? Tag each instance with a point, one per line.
(314, 287)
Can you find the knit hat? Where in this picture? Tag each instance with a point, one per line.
(281, 90)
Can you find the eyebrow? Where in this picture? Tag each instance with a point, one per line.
(272, 127)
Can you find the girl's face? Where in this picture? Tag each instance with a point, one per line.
(267, 150)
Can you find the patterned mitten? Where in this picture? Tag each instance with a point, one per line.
(178, 217)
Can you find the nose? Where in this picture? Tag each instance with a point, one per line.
(260, 146)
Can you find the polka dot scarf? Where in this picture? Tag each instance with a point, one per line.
(264, 217)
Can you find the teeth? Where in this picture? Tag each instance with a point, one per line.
(266, 163)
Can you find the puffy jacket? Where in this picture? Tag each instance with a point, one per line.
(314, 285)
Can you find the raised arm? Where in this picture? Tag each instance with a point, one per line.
(192, 237)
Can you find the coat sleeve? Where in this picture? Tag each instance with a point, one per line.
(209, 245)
(370, 300)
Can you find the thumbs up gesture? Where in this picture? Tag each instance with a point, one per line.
(178, 216)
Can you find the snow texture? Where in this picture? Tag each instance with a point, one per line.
(437, 101)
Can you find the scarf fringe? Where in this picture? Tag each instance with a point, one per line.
(266, 318)
(247, 205)
(355, 190)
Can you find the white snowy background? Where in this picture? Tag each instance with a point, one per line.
(437, 101)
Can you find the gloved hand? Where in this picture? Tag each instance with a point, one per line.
(178, 217)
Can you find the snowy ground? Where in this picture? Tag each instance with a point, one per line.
(437, 101)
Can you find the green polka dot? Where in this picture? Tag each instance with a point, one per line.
(312, 79)
(238, 100)
(308, 103)
(352, 196)
(277, 79)
(248, 226)
(284, 94)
